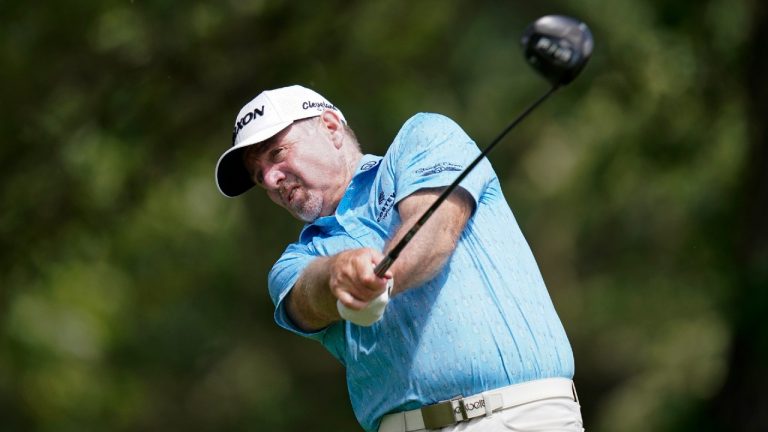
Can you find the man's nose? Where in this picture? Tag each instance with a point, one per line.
(272, 178)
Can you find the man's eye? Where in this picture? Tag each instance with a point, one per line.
(276, 153)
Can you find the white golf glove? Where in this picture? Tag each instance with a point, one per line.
(371, 313)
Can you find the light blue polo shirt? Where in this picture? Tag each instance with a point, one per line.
(485, 321)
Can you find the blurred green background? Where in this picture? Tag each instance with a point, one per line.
(133, 296)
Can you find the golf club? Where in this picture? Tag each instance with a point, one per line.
(558, 47)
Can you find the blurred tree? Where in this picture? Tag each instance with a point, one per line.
(740, 403)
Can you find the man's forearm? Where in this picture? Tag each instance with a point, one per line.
(310, 303)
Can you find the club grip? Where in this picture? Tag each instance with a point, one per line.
(382, 267)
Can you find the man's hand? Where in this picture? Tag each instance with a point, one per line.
(371, 313)
(352, 280)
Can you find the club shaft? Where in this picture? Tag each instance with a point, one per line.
(392, 255)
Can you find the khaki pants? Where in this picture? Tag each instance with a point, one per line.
(545, 405)
(549, 415)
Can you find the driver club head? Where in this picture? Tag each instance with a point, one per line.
(558, 47)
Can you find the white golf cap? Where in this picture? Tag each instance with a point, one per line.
(260, 119)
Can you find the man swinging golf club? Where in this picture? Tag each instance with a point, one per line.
(457, 330)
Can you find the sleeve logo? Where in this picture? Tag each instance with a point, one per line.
(385, 202)
(438, 168)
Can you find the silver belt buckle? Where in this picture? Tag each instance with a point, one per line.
(450, 412)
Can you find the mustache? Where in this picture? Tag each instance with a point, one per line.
(286, 189)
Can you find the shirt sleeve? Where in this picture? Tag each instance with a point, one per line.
(430, 151)
(282, 278)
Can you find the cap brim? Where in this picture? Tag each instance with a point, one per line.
(232, 178)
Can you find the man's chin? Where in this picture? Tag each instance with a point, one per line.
(306, 215)
(305, 219)
(308, 210)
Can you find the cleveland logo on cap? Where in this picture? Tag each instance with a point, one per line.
(319, 105)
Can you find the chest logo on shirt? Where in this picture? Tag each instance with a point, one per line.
(385, 202)
(368, 165)
(437, 168)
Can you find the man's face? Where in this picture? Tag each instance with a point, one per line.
(301, 168)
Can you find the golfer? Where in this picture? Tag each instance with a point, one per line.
(460, 334)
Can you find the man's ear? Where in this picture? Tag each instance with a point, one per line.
(335, 127)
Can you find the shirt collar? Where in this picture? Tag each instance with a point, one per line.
(367, 162)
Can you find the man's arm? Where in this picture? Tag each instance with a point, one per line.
(348, 276)
(431, 247)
